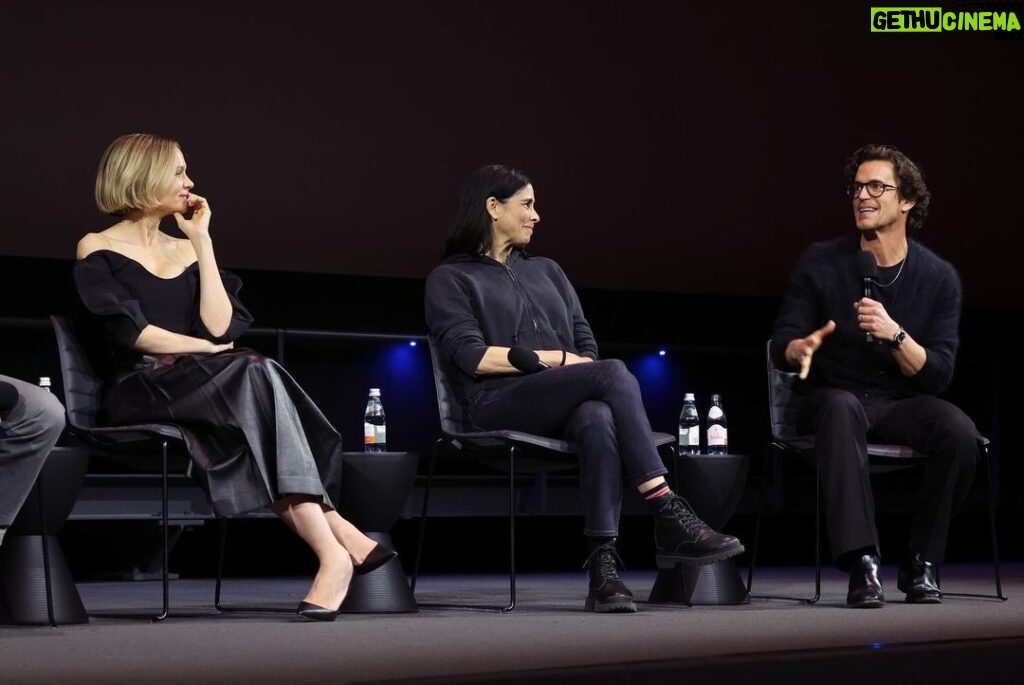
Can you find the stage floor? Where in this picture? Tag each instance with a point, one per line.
(548, 638)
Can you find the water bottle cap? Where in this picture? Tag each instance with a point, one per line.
(44, 380)
(689, 397)
(374, 392)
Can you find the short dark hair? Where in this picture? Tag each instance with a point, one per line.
(471, 230)
(908, 177)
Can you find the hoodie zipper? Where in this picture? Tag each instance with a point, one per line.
(522, 294)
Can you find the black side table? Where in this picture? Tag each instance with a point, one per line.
(31, 557)
(370, 490)
(713, 485)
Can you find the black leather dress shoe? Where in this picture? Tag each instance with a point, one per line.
(865, 587)
(315, 612)
(377, 557)
(916, 577)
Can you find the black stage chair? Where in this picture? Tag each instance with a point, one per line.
(547, 454)
(783, 406)
(135, 444)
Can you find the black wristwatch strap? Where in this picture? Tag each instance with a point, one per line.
(898, 338)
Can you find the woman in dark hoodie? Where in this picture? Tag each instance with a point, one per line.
(488, 297)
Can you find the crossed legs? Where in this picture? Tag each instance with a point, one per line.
(336, 542)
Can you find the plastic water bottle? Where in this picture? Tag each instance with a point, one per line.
(718, 428)
(44, 383)
(374, 430)
(689, 426)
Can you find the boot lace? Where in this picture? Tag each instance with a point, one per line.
(604, 561)
(679, 509)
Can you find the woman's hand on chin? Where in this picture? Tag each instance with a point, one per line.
(198, 224)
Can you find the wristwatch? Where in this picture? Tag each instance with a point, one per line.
(898, 338)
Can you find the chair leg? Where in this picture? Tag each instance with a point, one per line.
(992, 523)
(423, 514)
(47, 578)
(422, 535)
(511, 529)
(817, 533)
(164, 526)
(220, 563)
(990, 482)
(772, 452)
(759, 509)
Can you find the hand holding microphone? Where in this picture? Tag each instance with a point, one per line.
(867, 266)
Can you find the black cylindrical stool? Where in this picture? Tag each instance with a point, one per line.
(370, 490)
(26, 549)
(713, 485)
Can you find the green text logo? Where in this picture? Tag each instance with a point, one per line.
(933, 19)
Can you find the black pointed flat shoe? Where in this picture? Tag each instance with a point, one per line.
(377, 557)
(315, 612)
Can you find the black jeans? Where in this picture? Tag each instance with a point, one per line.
(598, 407)
(843, 424)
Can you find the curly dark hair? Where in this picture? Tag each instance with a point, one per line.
(908, 177)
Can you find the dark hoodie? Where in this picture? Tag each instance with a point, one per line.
(473, 302)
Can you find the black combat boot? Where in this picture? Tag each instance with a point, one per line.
(608, 594)
(681, 537)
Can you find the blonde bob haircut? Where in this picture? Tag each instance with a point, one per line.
(134, 172)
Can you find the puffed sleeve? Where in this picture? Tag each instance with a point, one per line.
(116, 313)
(241, 319)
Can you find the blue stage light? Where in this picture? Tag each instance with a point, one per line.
(412, 343)
(662, 353)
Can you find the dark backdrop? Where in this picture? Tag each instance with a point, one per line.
(688, 148)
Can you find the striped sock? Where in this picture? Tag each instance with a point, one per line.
(657, 492)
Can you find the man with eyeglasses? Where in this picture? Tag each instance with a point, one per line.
(883, 340)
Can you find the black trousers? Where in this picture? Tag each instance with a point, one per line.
(598, 407)
(843, 424)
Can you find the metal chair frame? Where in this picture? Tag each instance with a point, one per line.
(785, 440)
(81, 396)
(511, 443)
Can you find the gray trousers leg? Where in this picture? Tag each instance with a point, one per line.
(27, 432)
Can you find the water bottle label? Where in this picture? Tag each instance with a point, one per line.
(718, 435)
(380, 435)
(715, 412)
(692, 436)
(369, 433)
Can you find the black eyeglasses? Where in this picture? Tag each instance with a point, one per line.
(875, 188)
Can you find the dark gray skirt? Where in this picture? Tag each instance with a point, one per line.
(252, 433)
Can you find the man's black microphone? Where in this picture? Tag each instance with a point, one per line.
(526, 360)
(867, 266)
(8, 396)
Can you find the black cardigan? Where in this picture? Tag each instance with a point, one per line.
(925, 300)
